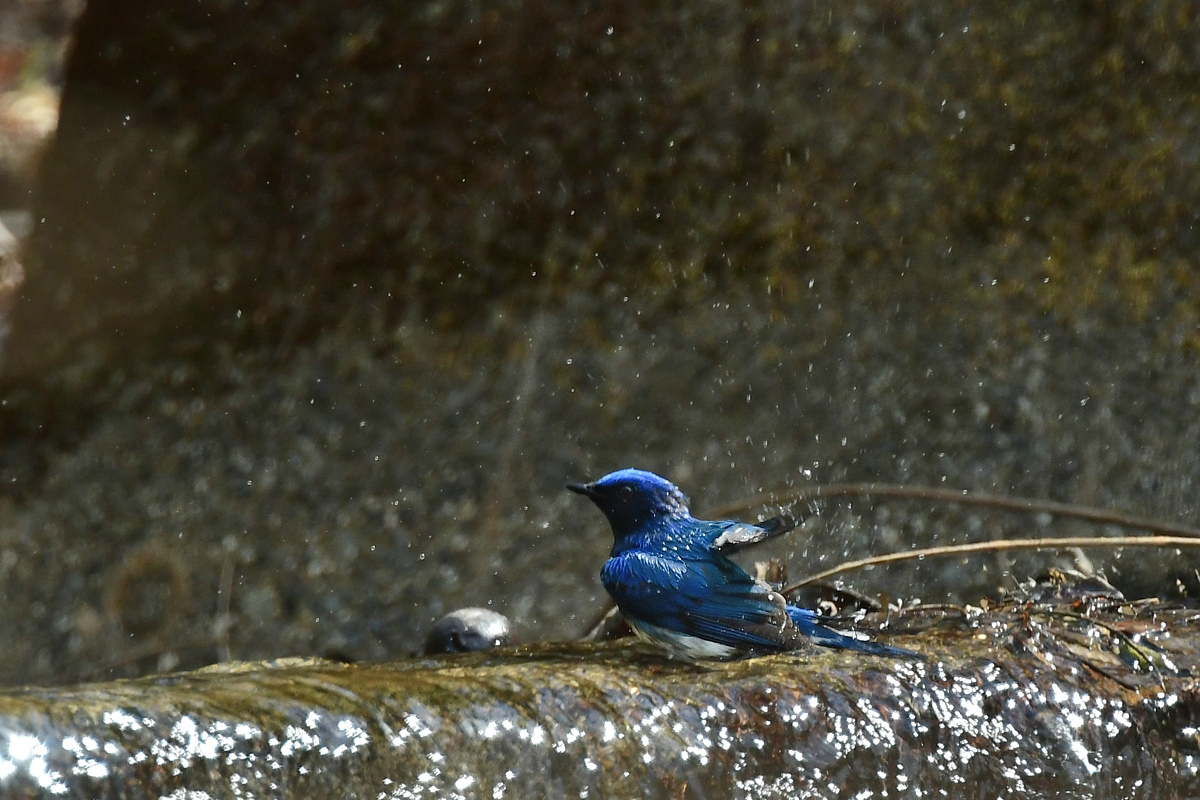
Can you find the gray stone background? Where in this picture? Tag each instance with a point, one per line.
(325, 303)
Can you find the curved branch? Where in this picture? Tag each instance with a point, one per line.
(1000, 544)
(961, 497)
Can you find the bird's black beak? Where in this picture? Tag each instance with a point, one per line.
(581, 488)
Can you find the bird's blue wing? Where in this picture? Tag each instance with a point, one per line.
(714, 599)
(710, 598)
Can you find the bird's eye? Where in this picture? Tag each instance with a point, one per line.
(627, 491)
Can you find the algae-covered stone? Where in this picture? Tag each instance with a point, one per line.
(326, 302)
(1031, 701)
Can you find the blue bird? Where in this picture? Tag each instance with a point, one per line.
(669, 575)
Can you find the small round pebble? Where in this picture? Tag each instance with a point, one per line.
(468, 630)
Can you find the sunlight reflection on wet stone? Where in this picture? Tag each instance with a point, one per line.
(610, 720)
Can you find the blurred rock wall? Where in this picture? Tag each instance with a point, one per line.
(325, 302)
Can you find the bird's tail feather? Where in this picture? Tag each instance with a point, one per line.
(776, 526)
(807, 622)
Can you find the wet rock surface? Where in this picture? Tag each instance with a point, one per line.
(1029, 700)
(325, 305)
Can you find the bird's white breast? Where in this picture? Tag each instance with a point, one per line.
(681, 645)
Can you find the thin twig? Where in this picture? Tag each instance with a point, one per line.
(1000, 544)
(962, 497)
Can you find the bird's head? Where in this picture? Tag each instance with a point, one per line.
(633, 498)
